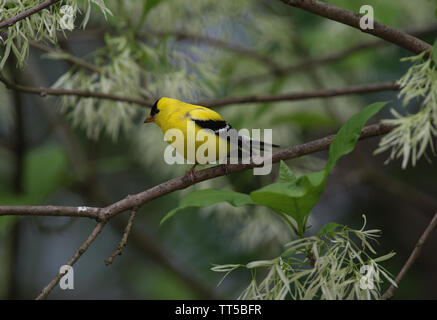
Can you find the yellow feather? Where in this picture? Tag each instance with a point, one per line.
(175, 114)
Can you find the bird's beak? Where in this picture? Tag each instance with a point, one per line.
(149, 119)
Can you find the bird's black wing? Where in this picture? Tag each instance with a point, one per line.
(218, 126)
(222, 127)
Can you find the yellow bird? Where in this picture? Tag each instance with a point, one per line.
(171, 114)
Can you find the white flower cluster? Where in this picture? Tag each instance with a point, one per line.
(326, 267)
(414, 133)
(41, 26)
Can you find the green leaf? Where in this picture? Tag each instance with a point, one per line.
(328, 228)
(299, 196)
(285, 174)
(385, 257)
(434, 51)
(209, 197)
(295, 199)
(346, 138)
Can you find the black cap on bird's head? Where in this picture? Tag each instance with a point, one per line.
(153, 112)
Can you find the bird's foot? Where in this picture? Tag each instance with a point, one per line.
(191, 174)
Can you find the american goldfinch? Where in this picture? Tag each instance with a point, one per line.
(171, 114)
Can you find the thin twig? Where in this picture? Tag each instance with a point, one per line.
(413, 257)
(93, 235)
(123, 241)
(11, 21)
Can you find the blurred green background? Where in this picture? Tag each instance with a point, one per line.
(85, 152)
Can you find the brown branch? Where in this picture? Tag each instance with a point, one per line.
(137, 200)
(53, 211)
(123, 241)
(221, 170)
(93, 235)
(368, 88)
(11, 21)
(78, 93)
(413, 257)
(360, 89)
(352, 19)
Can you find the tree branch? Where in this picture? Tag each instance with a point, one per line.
(221, 170)
(136, 201)
(413, 257)
(53, 211)
(359, 89)
(11, 21)
(352, 19)
(98, 228)
(79, 93)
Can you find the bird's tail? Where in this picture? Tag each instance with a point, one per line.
(251, 147)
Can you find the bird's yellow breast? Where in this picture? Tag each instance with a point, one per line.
(194, 143)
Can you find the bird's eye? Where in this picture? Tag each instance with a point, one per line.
(155, 109)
